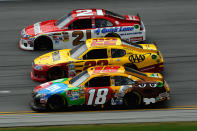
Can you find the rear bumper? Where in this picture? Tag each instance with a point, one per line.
(153, 68)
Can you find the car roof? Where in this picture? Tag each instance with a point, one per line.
(110, 69)
(88, 12)
(105, 41)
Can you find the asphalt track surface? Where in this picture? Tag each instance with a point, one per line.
(171, 23)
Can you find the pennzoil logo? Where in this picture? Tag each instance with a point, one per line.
(135, 58)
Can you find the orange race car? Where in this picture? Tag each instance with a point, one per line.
(102, 85)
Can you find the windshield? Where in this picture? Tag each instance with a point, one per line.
(134, 71)
(124, 42)
(114, 14)
(61, 22)
(78, 50)
(77, 80)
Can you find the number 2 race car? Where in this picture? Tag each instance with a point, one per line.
(80, 25)
(96, 51)
(100, 85)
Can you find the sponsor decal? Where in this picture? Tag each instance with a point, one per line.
(65, 36)
(135, 58)
(57, 41)
(136, 38)
(132, 33)
(56, 56)
(154, 75)
(74, 95)
(56, 33)
(113, 29)
(148, 101)
(45, 58)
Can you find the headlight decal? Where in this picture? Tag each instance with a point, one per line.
(38, 67)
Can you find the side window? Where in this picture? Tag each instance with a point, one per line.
(81, 24)
(96, 54)
(117, 53)
(121, 80)
(103, 23)
(98, 82)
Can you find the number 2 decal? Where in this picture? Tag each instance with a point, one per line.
(89, 12)
(94, 63)
(79, 35)
(101, 96)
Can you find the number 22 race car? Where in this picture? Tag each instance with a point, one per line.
(93, 52)
(78, 26)
(101, 85)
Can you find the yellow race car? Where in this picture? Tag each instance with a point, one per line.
(94, 52)
(102, 85)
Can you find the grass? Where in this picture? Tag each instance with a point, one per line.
(163, 126)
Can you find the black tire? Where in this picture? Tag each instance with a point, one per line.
(43, 43)
(112, 35)
(55, 73)
(56, 103)
(133, 99)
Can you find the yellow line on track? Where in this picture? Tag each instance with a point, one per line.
(193, 107)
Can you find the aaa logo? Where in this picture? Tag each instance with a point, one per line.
(136, 58)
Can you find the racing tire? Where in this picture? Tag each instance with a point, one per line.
(112, 35)
(56, 103)
(132, 99)
(55, 73)
(43, 43)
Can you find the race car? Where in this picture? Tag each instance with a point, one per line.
(79, 25)
(96, 51)
(102, 85)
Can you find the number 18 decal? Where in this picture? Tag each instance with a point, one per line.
(100, 98)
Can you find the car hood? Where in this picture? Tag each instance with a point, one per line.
(55, 57)
(41, 27)
(56, 86)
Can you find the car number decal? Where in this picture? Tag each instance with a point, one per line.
(100, 98)
(79, 35)
(94, 63)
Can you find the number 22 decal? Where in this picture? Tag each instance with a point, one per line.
(79, 35)
(101, 96)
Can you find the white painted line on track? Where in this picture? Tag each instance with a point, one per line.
(5, 92)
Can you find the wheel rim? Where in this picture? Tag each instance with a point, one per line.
(55, 74)
(133, 99)
(56, 103)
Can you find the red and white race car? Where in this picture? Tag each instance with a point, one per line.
(79, 25)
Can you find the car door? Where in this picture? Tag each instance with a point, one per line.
(98, 90)
(76, 32)
(94, 57)
(103, 27)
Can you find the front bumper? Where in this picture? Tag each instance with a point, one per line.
(26, 44)
(37, 107)
(35, 77)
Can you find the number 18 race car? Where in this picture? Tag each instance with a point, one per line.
(102, 85)
(96, 51)
(80, 25)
